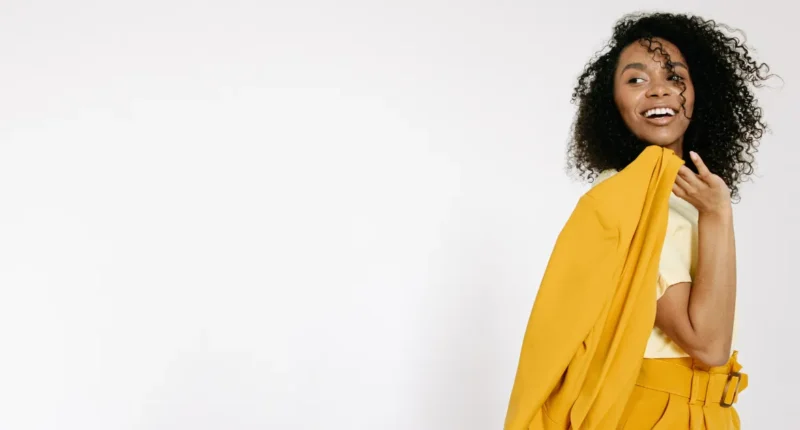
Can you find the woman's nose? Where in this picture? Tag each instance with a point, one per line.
(658, 89)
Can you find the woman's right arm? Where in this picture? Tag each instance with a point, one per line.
(698, 316)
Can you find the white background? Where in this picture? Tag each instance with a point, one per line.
(319, 215)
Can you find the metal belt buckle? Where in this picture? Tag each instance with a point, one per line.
(731, 375)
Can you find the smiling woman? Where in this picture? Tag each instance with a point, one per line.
(683, 84)
(687, 63)
(649, 95)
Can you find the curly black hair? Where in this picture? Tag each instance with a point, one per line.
(726, 124)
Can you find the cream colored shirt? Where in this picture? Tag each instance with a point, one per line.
(678, 264)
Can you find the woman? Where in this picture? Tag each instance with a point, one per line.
(678, 82)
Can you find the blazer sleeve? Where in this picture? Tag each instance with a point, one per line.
(576, 284)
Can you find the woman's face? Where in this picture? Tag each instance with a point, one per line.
(648, 95)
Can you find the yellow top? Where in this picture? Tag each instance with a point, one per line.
(596, 305)
(678, 264)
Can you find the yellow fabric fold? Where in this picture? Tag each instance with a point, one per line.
(595, 308)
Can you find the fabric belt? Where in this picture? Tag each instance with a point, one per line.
(709, 391)
(718, 386)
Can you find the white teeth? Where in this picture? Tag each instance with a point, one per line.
(659, 111)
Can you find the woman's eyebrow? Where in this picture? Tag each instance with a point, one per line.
(640, 66)
(637, 66)
(678, 64)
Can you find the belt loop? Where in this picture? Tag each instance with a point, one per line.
(695, 386)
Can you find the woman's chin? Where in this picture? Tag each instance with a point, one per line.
(664, 143)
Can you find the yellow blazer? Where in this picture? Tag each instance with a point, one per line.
(596, 305)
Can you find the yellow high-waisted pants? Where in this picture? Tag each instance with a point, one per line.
(683, 394)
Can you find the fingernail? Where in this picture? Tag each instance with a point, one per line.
(693, 154)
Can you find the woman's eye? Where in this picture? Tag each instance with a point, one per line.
(635, 80)
(677, 78)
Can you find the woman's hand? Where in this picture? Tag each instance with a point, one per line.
(705, 191)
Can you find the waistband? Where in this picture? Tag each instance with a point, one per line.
(700, 384)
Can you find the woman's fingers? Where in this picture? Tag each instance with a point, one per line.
(689, 178)
(678, 191)
(702, 170)
(684, 185)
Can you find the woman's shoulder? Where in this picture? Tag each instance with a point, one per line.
(603, 175)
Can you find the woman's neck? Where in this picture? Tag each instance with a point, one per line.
(676, 147)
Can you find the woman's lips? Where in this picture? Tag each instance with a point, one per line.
(664, 120)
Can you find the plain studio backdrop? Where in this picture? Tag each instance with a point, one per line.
(320, 215)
